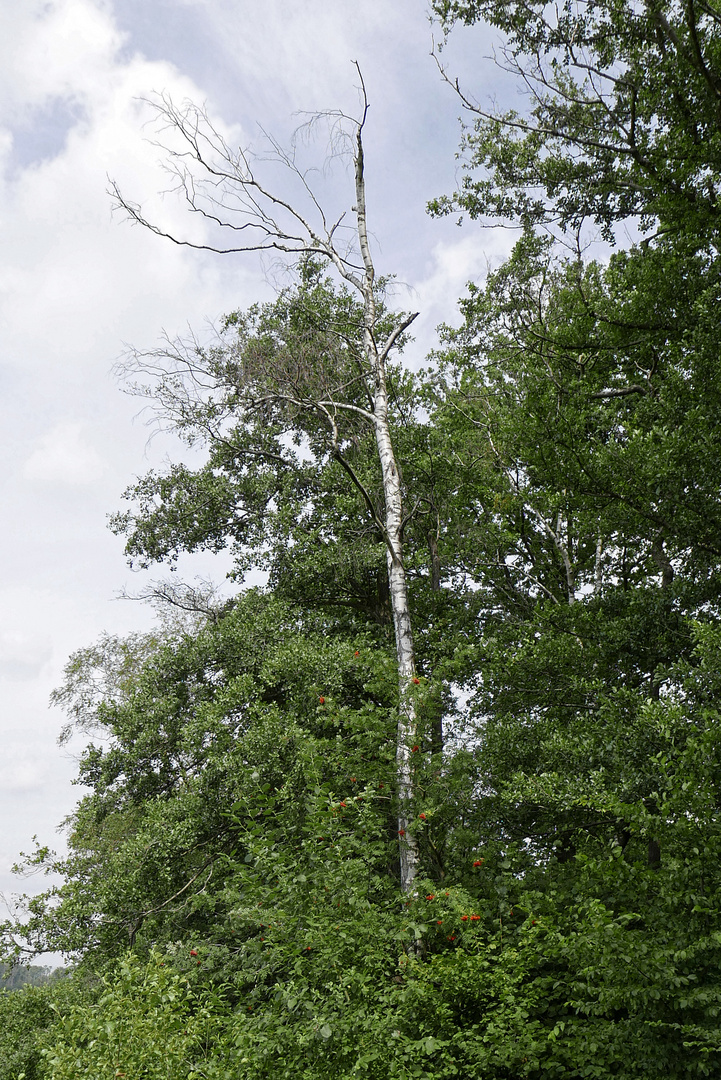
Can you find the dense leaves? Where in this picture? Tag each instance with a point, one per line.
(624, 116)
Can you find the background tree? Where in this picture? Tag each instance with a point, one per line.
(588, 395)
(622, 121)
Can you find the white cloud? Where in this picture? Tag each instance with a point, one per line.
(20, 777)
(75, 281)
(64, 456)
(310, 47)
(23, 656)
(54, 48)
(451, 265)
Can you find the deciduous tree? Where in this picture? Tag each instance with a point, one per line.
(312, 371)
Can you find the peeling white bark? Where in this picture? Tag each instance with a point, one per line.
(393, 499)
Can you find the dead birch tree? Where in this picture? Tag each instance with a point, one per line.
(224, 188)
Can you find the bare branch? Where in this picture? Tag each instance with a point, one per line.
(393, 338)
(622, 391)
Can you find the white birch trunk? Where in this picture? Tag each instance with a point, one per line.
(407, 716)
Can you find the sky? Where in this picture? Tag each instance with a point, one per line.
(79, 285)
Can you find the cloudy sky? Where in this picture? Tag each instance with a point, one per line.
(77, 283)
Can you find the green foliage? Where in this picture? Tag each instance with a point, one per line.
(145, 1022)
(26, 1014)
(207, 722)
(298, 955)
(623, 121)
(292, 484)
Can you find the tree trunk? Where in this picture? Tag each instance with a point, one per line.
(407, 735)
(437, 703)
